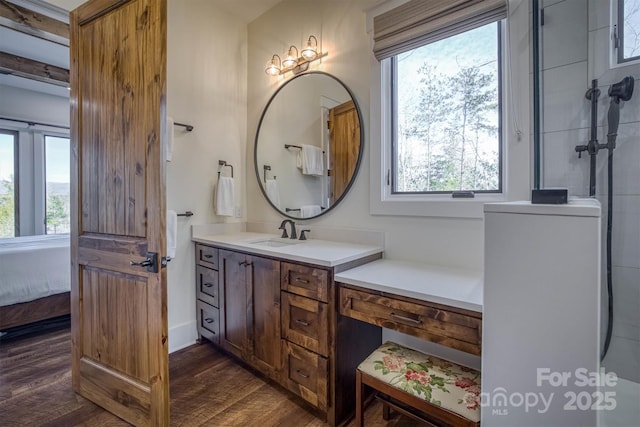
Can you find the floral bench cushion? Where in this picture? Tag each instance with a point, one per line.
(439, 382)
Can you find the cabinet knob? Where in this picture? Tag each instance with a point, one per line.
(302, 322)
(208, 285)
(209, 320)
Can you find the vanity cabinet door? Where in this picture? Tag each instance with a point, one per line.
(264, 308)
(234, 313)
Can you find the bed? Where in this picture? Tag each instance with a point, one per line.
(34, 279)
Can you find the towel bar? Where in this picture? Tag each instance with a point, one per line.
(189, 128)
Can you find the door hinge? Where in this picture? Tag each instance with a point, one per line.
(616, 39)
(541, 17)
(388, 177)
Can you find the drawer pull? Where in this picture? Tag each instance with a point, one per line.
(299, 280)
(209, 320)
(207, 255)
(302, 322)
(302, 374)
(406, 319)
(208, 285)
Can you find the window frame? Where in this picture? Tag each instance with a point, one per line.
(515, 154)
(44, 135)
(393, 98)
(31, 186)
(617, 39)
(16, 177)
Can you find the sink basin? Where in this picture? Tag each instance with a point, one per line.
(273, 242)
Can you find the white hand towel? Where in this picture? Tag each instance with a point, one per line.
(225, 198)
(307, 211)
(272, 192)
(172, 233)
(299, 159)
(312, 160)
(169, 139)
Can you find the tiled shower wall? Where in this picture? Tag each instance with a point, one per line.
(575, 50)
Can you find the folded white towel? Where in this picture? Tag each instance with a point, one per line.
(225, 198)
(299, 159)
(312, 160)
(172, 233)
(272, 192)
(307, 211)
(169, 139)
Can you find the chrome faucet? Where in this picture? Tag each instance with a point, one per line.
(283, 227)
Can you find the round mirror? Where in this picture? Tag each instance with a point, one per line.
(308, 145)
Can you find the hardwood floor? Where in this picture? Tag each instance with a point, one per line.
(207, 388)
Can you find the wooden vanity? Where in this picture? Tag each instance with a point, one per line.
(280, 317)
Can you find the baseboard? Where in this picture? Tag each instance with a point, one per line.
(182, 336)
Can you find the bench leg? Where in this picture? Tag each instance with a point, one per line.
(359, 400)
(386, 412)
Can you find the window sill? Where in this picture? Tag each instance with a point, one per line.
(442, 206)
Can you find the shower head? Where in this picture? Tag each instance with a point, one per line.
(623, 90)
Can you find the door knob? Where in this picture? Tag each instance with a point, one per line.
(151, 263)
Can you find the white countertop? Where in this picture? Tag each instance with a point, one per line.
(454, 287)
(313, 251)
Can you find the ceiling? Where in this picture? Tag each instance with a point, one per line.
(245, 10)
(27, 46)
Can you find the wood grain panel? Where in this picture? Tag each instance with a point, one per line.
(305, 280)
(34, 70)
(305, 322)
(36, 24)
(34, 311)
(264, 324)
(344, 133)
(235, 310)
(113, 338)
(127, 396)
(306, 374)
(115, 198)
(455, 328)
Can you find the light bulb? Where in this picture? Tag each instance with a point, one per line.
(292, 57)
(311, 49)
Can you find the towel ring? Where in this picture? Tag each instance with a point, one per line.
(223, 163)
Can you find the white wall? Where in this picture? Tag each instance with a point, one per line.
(206, 87)
(575, 50)
(340, 28)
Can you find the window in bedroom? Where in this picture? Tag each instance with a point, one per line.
(626, 23)
(57, 188)
(8, 180)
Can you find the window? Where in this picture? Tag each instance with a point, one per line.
(626, 15)
(57, 186)
(446, 121)
(8, 180)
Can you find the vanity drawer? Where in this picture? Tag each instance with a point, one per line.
(305, 374)
(208, 322)
(305, 322)
(207, 282)
(306, 281)
(207, 256)
(448, 326)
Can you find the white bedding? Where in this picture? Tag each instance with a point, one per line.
(33, 267)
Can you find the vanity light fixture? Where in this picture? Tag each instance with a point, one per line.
(274, 66)
(294, 61)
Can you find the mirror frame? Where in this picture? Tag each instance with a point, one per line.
(360, 151)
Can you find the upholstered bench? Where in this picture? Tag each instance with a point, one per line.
(421, 386)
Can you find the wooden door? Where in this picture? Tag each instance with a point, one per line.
(264, 337)
(344, 134)
(119, 311)
(234, 307)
